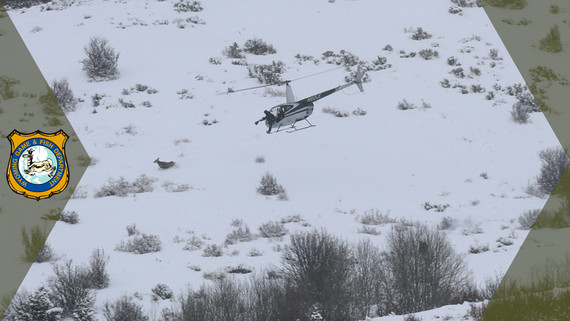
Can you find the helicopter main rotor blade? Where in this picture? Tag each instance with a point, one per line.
(283, 82)
(231, 91)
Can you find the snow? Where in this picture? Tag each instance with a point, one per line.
(389, 159)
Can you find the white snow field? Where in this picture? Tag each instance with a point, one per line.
(457, 149)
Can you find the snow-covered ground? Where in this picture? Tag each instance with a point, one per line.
(461, 150)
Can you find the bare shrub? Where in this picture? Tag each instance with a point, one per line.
(419, 260)
(187, 6)
(446, 223)
(520, 113)
(318, 266)
(527, 218)
(97, 272)
(233, 51)
(101, 62)
(375, 217)
(64, 95)
(554, 162)
(123, 309)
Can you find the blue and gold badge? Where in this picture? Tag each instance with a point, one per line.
(38, 166)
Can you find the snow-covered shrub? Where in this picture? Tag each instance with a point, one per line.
(457, 72)
(212, 250)
(114, 187)
(455, 10)
(187, 6)
(141, 244)
(143, 184)
(476, 249)
(240, 234)
(554, 161)
(476, 310)
(428, 54)
(520, 113)
(240, 269)
(446, 223)
(445, 83)
(405, 105)
(35, 307)
(258, 47)
(475, 71)
(477, 88)
(69, 217)
(233, 51)
(367, 229)
(97, 272)
(527, 218)
(64, 95)
(215, 61)
(121, 187)
(359, 112)
(123, 309)
(412, 317)
(420, 34)
(267, 74)
(509, 4)
(193, 243)
(494, 53)
(453, 61)
(375, 217)
(343, 58)
(272, 229)
(467, 3)
(70, 291)
(335, 112)
(526, 99)
(504, 241)
(269, 186)
(46, 254)
(102, 61)
(162, 292)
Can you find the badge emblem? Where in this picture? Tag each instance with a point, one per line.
(38, 166)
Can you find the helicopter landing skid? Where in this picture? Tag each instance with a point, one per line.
(294, 129)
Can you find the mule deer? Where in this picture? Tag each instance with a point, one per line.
(164, 165)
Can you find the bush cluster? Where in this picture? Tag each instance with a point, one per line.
(267, 74)
(323, 276)
(140, 244)
(67, 294)
(121, 187)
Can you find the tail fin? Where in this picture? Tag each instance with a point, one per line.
(358, 79)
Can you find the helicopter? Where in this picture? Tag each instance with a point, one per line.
(285, 116)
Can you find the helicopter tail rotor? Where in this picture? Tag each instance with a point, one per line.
(358, 79)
